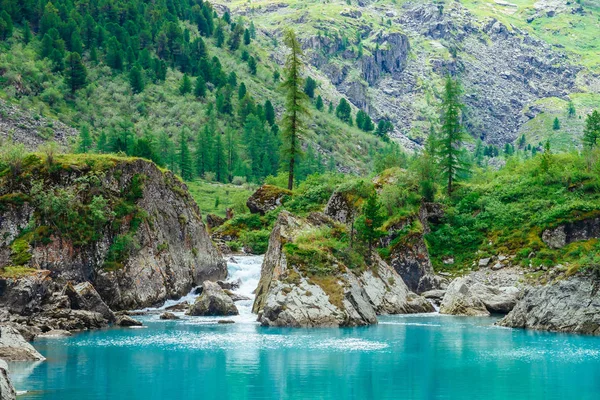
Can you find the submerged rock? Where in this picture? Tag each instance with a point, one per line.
(13, 346)
(7, 390)
(213, 302)
(571, 305)
(460, 300)
(287, 296)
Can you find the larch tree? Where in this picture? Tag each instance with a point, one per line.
(76, 74)
(452, 134)
(295, 105)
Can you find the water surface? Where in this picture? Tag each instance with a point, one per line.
(404, 357)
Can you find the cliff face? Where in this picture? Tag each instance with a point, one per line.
(122, 224)
(291, 293)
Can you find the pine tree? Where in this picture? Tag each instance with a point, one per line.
(220, 36)
(546, 158)
(309, 87)
(369, 223)
(252, 30)
(591, 132)
(571, 111)
(200, 88)
(136, 80)
(522, 141)
(220, 160)
(236, 37)
(185, 160)
(252, 65)
(295, 105)
(76, 44)
(27, 35)
(232, 79)
(85, 140)
(247, 38)
(344, 112)
(556, 124)
(330, 108)
(6, 25)
(269, 112)
(76, 74)
(242, 91)
(360, 119)
(204, 151)
(186, 85)
(114, 57)
(319, 103)
(102, 145)
(452, 133)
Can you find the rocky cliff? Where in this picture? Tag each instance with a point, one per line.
(302, 286)
(124, 225)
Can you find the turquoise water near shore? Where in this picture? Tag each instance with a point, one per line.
(403, 357)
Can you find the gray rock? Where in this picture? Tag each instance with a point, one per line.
(55, 334)
(496, 300)
(213, 302)
(436, 295)
(225, 321)
(7, 390)
(230, 285)
(127, 321)
(266, 198)
(13, 346)
(183, 306)
(84, 297)
(168, 316)
(498, 266)
(570, 305)
(460, 300)
(26, 295)
(484, 262)
(562, 235)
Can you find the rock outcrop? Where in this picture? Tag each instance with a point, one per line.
(7, 390)
(496, 300)
(213, 302)
(149, 243)
(84, 297)
(562, 235)
(570, 305)
(460, 300)
(13, 347)
(266, 198)
(289, 296)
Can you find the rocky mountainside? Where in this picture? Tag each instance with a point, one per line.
(124, 225)
(388, 59)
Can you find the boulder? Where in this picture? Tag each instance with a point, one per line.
(7, 391)
(213, 302)
(214, 221)
(562, 235)
(71, 320)
(436, 295)
(484, 262)
(13, 347)
(496, 300)
(127, 321)
(168, 316)
(55, 334)
(183, 306)
(570, 305)
(342, 207)
(84, 297)
(230, 285)
(266, 198)
(25, 295)
(460, 300)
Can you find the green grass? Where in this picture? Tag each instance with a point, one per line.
(216, 198)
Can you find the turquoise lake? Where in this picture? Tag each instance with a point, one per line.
(404, 357)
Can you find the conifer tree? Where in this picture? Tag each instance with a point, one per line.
(27, 35)
(319, 103)
(556, 124)
(186, 85)
(252, 65)
(204, 151)
(220, 160)
(136, 80)
(75, 43)
(219, 35)
(295, 104)
(6, 25)
(571, 111)
(76, 74)
(85, 140)
(102, 145)
(369, 223)
(247, 38)
(309, 87)
(452, 133)
(269, 112)
(343, 111)
(200, 88)
(591, 132)
(242, 91)
(185, 160)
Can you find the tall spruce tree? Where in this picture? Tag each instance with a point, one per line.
(591, 132)
(136, 80)
(76, 74)
(185, 159)
(85, 140)
(185, 86)
(369, 223)
(452, 135)
(295, 103)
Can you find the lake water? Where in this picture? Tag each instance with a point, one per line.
(404, 357)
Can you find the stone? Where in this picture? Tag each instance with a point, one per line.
(168, 316)
(127, 321)
(266, 198)
(435, 295)
(570, 305)
(183, 306)
(7, 390)
(562, 235)
(213, 302)
(83, 296)
(484, 262)
(460, 300)
(214, 221)
(55, 334)
(231, 285)
(25, 296)
(13, 346)
(496, 300)
(498, 266)
(225, 321)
